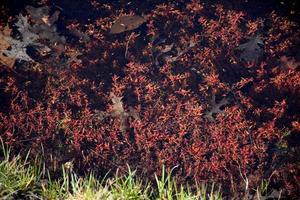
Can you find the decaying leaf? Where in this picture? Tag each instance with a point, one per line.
(252, 49)
(5, 60)
(40, 34)
(126, 23)
(118, 108)
(168, 49)
(119, 111)
(81, 35)
(215, 108)
(25, 29)
(37, 14)
(289, 63)
(18, 47)
(6, 31)
(44, 25)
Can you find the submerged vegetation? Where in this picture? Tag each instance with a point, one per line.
(201, 98)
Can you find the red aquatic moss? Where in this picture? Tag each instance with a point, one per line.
(170, 112)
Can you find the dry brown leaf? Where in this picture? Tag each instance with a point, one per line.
(126, 23)
(6, 31)
(5, 60)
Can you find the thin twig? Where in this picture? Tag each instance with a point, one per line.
(127, 44)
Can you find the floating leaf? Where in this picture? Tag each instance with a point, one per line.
(126, 23)
(252, 49)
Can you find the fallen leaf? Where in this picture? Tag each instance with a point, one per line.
(289, 63)
(5, 60)
(252, 49)
(126, 23)
(216, 108)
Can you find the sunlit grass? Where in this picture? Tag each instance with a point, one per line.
(167, 188)
(17, 177)
(20, 179)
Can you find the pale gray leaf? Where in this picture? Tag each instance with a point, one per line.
(251, 50)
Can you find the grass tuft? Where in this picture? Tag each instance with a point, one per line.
(17, 177)
(20, 179)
